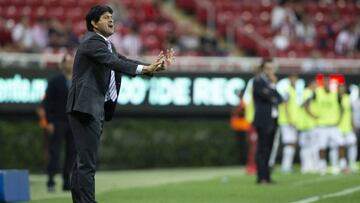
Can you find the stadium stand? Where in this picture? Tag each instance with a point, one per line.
(254, 31)
(327, 29)
(57, 15)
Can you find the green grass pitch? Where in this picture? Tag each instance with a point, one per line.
(207, 185)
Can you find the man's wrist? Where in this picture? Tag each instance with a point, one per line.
(145, 69)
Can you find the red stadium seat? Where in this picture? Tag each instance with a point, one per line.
(75, 13)
(265, 32)
(187, 5)
(4, 3)
(17, 3)
(243, 38)
(148, 29)
(68, 3)
(264, 18)
(79, 28)
(223, 20)
(34, 3)
(151, 42)
(11, 12)
(57, 12)
(51, 3)
(26, 11)
(266, 6)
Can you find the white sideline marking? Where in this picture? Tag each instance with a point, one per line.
(331, 195)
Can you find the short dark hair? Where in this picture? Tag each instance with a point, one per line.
(64, 59)
(95, 13)
(263, 62)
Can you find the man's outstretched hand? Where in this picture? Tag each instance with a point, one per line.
(162, 62)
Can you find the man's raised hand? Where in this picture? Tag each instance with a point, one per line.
(156, 65)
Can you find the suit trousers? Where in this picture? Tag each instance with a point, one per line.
(62, 133)
(266, 135)
(87, 131)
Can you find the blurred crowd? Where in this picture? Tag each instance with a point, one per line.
(293, 25)
(135, 34)
(292, 28)
(26, 37)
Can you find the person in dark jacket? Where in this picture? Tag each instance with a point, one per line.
(266, 99)
(57, 125)
(94, 92)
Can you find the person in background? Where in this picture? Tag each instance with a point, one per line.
(21, 35)
(305, 29)
(71, 39)
(328, 112)
(346, 40)
(309, 153)
(288, 113)
(240, 126)
(356, 114)
(280, 13)
(346, 127)
(56, 34)
(58, 125)
(266, 99)
(40, 34)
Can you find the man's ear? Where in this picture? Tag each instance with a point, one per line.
(94, 24)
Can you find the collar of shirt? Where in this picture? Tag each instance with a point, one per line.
(264, 77)
(106, 39)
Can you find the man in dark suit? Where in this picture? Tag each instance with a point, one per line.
(94, 92)
(266, 99)
(58, 127)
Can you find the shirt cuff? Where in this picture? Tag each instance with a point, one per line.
(139, 69)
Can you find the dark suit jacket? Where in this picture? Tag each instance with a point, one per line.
(54, 102)
(265, 97)
(91, 77)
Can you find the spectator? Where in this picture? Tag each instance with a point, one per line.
(298, 7)
(57, 37)
(331, 28)
(346, 40)
(40, 34)
(285, 35)
(131, 43)
(172, 40)
(22, 36)
(357, 31)
(305, 29)
(208, 44)
(280, 13)
(71, 39)
(188, 41)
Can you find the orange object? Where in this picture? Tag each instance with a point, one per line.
(42, 117)
(238, 121)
